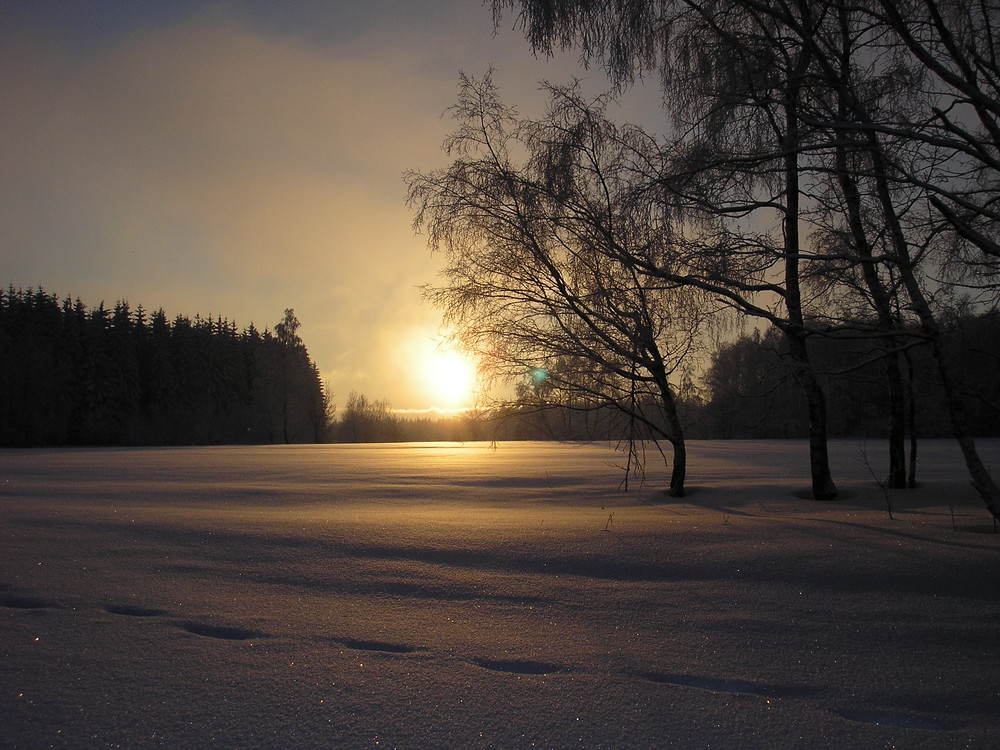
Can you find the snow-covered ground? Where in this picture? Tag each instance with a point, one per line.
(477, 596)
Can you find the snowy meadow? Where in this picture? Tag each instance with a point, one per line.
(493, 596)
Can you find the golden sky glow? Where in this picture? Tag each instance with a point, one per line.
(237, 158)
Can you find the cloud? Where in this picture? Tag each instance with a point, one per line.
(240, 168)
(215, 164)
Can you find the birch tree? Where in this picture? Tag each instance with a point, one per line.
(927, 172)
(734, 87)
(541, 223)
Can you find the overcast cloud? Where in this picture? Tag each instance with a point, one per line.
(229, 159)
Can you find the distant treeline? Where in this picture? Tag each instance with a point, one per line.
(364, 420)
(70, 375)
(748, 390)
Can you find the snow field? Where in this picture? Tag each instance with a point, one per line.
(453, 596)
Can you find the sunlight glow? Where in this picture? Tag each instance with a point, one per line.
(451, 377)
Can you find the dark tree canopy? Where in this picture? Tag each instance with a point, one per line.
(72, 375)
(538, 220)
(881, 152)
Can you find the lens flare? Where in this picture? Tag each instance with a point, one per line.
(538, 375)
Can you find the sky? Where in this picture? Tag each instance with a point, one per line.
(237, 158)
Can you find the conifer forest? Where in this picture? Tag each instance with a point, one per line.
(73, 375)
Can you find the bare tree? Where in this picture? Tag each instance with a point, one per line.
(936, 154)
(367, 421)
(956, 45)
(541, 222)
(734, 87)
(926, 174)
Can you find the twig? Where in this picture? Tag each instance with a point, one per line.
(879, 482)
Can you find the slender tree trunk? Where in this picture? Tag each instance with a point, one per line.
(819, 462)
(886, 319)
(897, 421)
(911, 418)
(680, 468)
(823, 487)
(674, 428)
(980, 476)
(978, 473)
(679, 472)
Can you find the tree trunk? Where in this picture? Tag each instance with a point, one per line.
(897, 421)
(882, 302)
(978, 473)
(823, 487)
(679, 472)
(980, 476)
(675, 430)
(911, 419)
(819, 463)
(680, 468)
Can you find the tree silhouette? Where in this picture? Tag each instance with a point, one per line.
(69, 375)
(885, 118)
(543, 223)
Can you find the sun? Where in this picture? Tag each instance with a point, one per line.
(451, 378)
